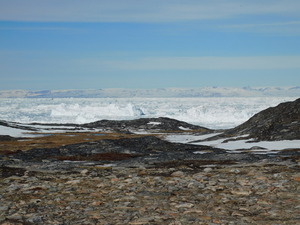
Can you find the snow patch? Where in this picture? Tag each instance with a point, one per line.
(154, 123)
(261, 146)
(184, 128)
(201, 153)
(235, 146)
(42, 130)
(186, 138)
(14, 132)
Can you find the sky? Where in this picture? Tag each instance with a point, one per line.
(92, 44)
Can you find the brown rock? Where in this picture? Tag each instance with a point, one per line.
(178, 174)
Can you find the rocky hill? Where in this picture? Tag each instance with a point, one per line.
(273, 124)
(146, 124)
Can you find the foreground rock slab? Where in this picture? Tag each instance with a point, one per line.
(256, 193)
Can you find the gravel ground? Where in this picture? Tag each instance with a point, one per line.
(257, 193)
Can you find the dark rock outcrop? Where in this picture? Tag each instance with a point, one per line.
(161, 124)
(147, 124)
(111, 150)
(17, 125)
(6, 138)
(275, 123)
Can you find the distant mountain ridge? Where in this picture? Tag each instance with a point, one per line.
(158, 92)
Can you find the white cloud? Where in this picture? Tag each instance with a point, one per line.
(139, 10)
(199, 63)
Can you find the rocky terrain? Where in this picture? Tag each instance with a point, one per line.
(161, 124)
(260, 193)
(273, 124)
(125, 172)
(276, 123)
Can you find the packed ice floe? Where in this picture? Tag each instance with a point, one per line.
(213, 113)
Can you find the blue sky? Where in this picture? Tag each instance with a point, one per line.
(91, 44)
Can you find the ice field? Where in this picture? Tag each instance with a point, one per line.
(213, 113)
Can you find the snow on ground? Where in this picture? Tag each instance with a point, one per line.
(242, 144)
(154, 123)
(14, 132)
(235, 146)
(184, 128)
(186, 138)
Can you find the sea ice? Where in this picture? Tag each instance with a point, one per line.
(214, 113)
